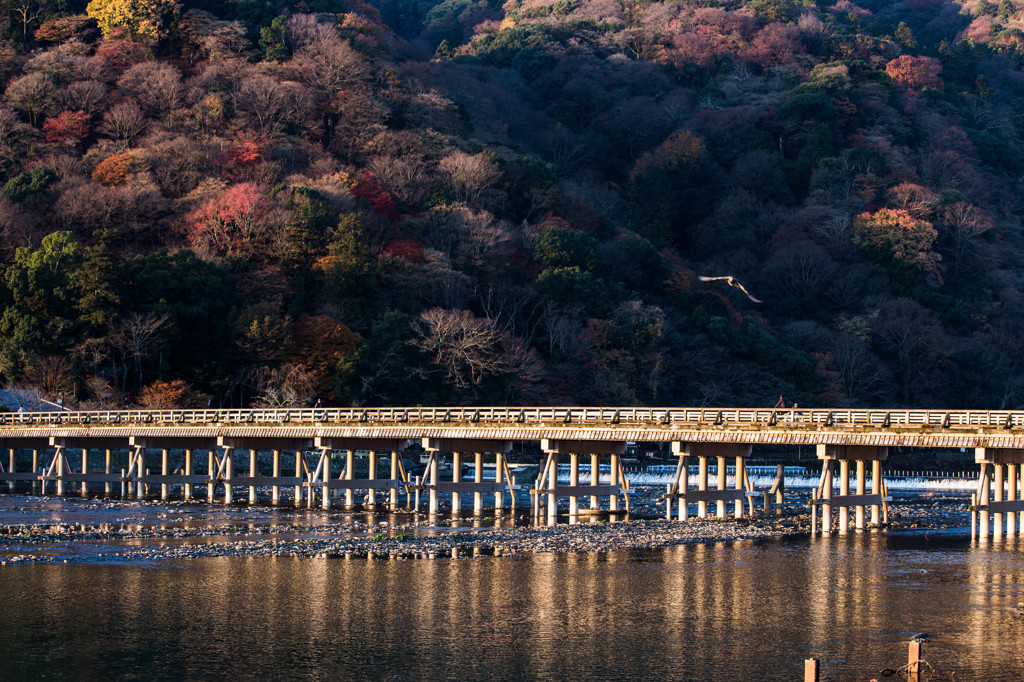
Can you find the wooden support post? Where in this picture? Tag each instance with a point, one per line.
(738, 512)
(720, 505)
(702, 484)
(1011, 496)
(106, 469)
(613, 499)
(914, 660)
(253, 472)
(275, 471)
(997, 496)
(211, 472)
(350, 472)
(826, 494)
(844, 490)
(574, 481)
(189, 466)
(299, 457)
(595, 479)
(811, 670)
(35, 469)
(478, 476)
(456, 478)
(876, 488)
(393, 493)
(861, 490)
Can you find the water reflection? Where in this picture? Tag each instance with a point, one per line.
(722, 611)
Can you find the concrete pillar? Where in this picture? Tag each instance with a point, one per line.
(876, 489)
(738, 513)
(141, 469)
(826, 508)
(299, 455)
(456, 478)
(229, 473)
(684, 485)
(107, 470)
(85, 469)
(861, 490)
(434, 466)
(702, 484)
(613, 499)
(844, 489)
(997, 496)
(350, 472)
(393, 493)
(574, 480)
(60, 470)
(499, 476)
(253, 470)
(1011, 496)
(371, 494)
(35, 470)
(165, 470)
(10, 467)
(275, 490)
(552, 484)
(478, 477)
(720, 506)
(595, 479)
(983, 525)
(326, 457)
(189, 467)
(1020, 496)
(211, 472)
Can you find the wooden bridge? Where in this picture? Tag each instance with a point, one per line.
(315, 438)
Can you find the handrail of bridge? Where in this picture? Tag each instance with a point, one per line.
(666, 417)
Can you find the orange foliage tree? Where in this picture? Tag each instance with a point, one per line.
(229, 223)
(114, 170)
(915, 73)
(170, 395)
(899, 235)
(67, 126)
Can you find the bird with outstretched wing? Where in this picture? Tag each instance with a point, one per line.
(731, 281)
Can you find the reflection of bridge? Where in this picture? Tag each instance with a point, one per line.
(842, 437)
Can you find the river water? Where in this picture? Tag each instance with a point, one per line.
(747, 610)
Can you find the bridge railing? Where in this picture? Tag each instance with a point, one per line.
(604, 416)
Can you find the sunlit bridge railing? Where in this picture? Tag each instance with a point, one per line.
(663, 417)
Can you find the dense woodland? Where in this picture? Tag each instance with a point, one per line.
(248, 202)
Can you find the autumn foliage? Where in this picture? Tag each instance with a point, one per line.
(915, 73)
(227, 223)
(67, 126)
(114, 170)
(899, 235)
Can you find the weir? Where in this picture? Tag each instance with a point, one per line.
(314, 454)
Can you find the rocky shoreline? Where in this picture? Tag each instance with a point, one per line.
(412, 536)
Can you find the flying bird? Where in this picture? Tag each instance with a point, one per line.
(731, 281)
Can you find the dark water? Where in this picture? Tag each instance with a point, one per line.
(742, 611)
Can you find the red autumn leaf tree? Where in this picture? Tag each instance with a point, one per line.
(915, 73)
(67, 126)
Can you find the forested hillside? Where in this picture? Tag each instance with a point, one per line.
(264, 203)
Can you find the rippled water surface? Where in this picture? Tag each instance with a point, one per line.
(747, 610)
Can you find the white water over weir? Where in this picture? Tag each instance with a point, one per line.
(314, 454)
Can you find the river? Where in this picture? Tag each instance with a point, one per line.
(743, 610)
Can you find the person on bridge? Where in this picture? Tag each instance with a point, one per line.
(781, 403)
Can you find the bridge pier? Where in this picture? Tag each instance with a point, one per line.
(999, 498)
(456, 478)
(823, 495)
(458, 446)
(680, 490)
(547, 480)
